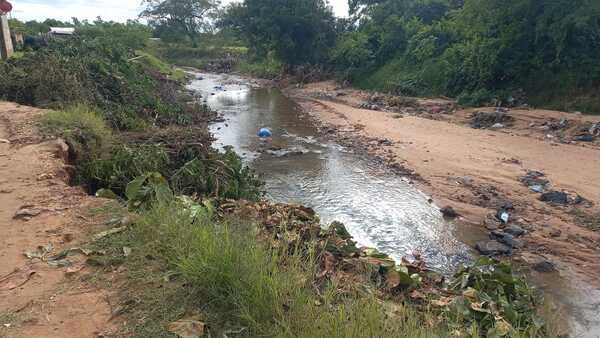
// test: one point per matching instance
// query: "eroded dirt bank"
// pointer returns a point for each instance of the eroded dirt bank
(478, 171)
(40, 215)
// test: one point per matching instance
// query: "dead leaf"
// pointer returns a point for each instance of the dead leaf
(190, 327)
(442, 302)
(108, 232)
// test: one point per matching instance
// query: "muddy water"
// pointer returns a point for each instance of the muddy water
(380, 209)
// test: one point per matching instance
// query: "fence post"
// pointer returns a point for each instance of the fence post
(6, 47)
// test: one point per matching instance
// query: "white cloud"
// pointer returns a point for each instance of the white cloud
(116, 10)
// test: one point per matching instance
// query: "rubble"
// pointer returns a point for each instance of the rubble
(492, 248)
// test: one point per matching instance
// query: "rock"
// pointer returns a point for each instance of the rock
(27, 212)
(490, 248)
(514, 230)
(506, 238)
(449, 212)
(555, 197)
(545, 266)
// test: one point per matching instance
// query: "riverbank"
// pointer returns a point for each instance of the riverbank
(478, 171)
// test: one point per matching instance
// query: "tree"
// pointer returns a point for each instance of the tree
(297, 31)
(190, 17)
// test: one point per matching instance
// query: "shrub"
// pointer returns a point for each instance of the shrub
(82, 128)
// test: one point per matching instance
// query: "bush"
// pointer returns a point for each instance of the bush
(477, 98)
(83, 129)
(96, 68)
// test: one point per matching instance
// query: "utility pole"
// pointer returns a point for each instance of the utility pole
(6, 46)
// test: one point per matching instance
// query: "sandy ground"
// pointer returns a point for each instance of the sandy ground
(477, 170)
(36, 299)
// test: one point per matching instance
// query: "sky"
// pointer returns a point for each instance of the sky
(115, 10)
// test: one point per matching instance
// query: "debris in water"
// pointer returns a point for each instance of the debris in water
(264, 133)
(449, 212)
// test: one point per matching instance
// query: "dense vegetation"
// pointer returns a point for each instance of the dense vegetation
(542, 52)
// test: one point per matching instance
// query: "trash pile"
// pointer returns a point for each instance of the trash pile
(537, 182)
(496, 119)
(567, 131)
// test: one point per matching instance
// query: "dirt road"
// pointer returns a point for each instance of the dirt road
(39, 209)
(477, 170)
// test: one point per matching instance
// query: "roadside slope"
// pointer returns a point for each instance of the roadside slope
(39, 209)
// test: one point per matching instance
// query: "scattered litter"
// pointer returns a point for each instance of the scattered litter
(3, 140)
(585, 138)
(535, 180)
(481, 119)
(555, 197)
(126, 251)
(264, 133)
(497, 126)
(190, 327)
(503, 215)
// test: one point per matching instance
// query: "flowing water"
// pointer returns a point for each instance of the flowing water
(379, 208)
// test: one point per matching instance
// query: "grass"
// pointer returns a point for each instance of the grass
(266, 69)
(185, 264)
(83, 128)
(166, 69)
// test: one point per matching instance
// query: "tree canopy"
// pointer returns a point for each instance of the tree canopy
(180, 17)
(297, 31)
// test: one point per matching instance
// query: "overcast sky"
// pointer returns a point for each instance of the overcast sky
(116, 10)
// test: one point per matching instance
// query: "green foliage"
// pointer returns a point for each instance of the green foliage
(95, 68)
(83, 130)
(268, 68)
(296, 31)
(174, 18)
(469, 47)
(497, 301)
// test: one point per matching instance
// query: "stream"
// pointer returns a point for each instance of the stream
(379, 208)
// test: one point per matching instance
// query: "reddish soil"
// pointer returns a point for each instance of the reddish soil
(477, 170)
(37, 299)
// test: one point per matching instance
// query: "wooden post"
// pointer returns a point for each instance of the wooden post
(6, 47)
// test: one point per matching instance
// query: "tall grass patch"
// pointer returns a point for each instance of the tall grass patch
(241, 283)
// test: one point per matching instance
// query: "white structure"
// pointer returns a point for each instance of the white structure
(61, 31)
